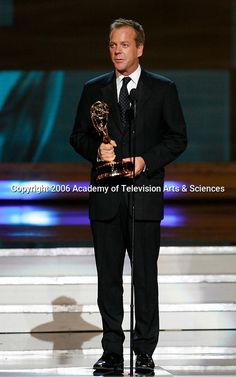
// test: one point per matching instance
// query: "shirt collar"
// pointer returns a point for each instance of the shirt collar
(134, 76)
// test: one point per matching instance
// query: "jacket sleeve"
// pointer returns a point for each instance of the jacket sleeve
(84, 138)
(174, 137)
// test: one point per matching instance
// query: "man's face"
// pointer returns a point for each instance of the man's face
(123, 50)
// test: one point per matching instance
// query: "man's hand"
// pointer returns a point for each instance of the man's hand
(107, 152)
(139, 166)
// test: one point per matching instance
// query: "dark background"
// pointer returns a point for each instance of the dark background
(50, 48)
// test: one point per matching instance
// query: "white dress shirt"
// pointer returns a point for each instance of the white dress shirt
(133, 82)
(131, 85)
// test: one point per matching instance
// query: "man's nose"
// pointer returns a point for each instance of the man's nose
(117, 50)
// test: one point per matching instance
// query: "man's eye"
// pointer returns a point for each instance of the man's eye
(111, 45)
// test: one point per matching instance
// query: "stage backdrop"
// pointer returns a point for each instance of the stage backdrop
(37, 110)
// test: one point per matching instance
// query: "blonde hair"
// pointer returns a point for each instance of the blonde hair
(120, 22)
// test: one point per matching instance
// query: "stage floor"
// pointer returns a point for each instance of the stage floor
(186, 353)
(50, 325)
(65, 224)
(191, 353)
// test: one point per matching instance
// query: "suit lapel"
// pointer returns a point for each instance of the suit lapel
(109, 93)
(144, 92)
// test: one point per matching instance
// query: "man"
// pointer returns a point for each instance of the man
(160, 139)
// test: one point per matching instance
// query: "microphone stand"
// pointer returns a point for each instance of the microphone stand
(132, 197)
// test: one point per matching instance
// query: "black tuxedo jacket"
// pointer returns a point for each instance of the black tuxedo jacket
(160, 139)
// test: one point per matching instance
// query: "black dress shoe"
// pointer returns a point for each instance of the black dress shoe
(110, 362)
(144, 364)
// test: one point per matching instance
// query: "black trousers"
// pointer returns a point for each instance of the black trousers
(111, 240)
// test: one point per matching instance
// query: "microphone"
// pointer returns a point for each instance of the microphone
(133, 95)
(133, 99)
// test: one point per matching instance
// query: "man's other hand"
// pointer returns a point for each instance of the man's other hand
(139, 166)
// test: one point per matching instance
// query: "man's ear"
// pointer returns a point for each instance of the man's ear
(140, 50)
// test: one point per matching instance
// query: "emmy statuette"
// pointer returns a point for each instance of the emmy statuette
(99, 115)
